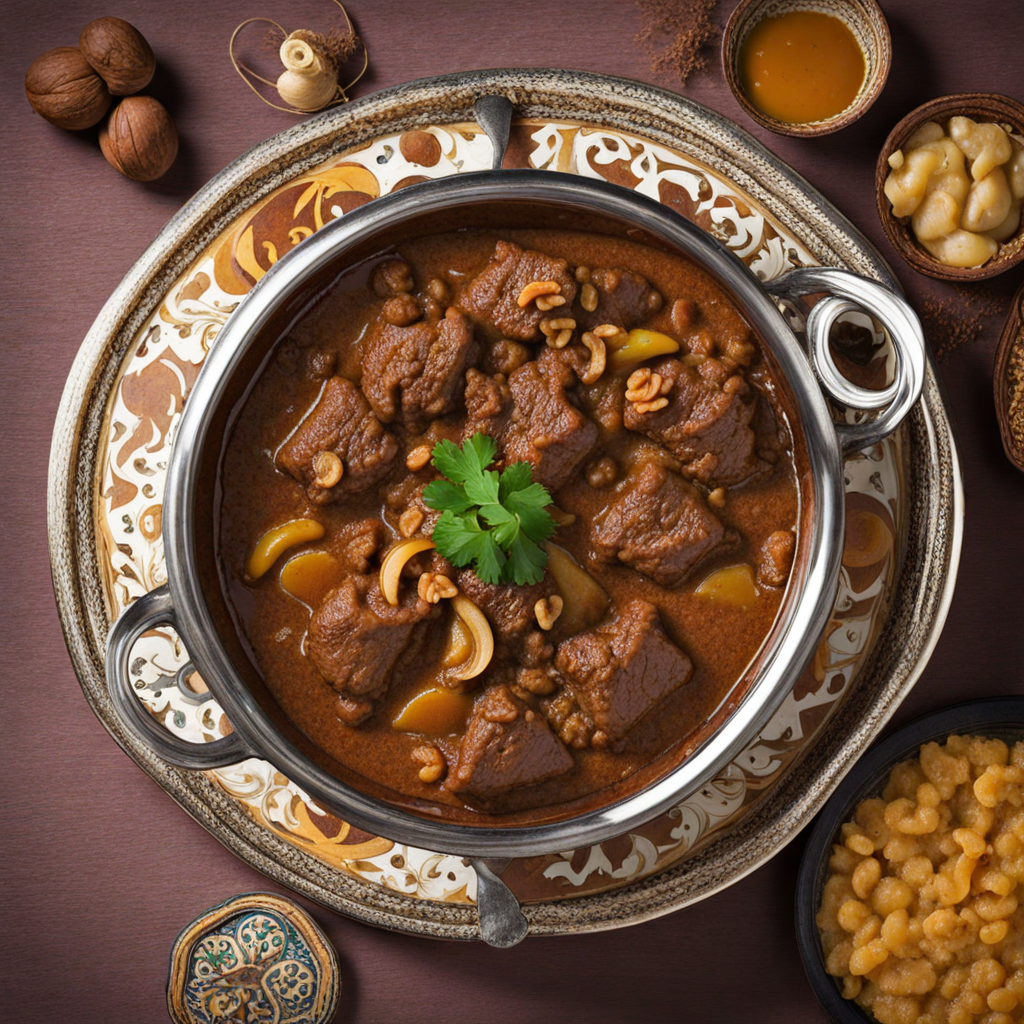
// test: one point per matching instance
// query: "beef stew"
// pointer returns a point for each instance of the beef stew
(637, 394)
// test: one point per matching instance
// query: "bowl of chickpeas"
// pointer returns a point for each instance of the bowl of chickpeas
(910, 898)
(950, 186)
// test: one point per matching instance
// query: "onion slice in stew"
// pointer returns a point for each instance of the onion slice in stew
(394, 562)
(483, 639)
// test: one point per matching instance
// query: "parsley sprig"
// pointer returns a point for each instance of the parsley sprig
(492, 521)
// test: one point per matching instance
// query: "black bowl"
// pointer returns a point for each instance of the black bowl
(1002, 717)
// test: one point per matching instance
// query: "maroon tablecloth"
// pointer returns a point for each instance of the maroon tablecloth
(99, 868)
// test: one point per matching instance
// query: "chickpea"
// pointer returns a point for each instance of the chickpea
(930, 131)
(853, 915)
(925, 927)
(962, 249)
(987, 145)
(988, 202)
(891, 894)
(905, 187)
(938, 215)
(1015, 170)
(866, 876)
(868, 957)
(896, 930)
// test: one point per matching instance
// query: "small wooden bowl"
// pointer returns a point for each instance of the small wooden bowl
(865, 20)
(981, 106)
(1008, 379)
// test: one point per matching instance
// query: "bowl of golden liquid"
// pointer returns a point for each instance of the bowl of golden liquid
(806, 67)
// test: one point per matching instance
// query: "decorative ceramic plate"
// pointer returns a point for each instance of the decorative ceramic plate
(256, 957)
(136, 367)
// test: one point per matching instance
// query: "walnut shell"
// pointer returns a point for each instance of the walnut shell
(62, 87)
(139, 138)
(119, 53)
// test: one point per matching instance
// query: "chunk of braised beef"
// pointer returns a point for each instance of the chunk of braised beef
(776, 558)
(401, 310)
(575, 728)
(545, 428)
(604, 402)
(416, 373)
(356, 638)
(658, 524)
(706, 423)
(504, 356)
(492, 297)
(320, 363)
(358, 542)
(488, 404)
(506, 744)
(508, 607)
(622, 669)
(341, 422)
(392, 277)
(624, 298)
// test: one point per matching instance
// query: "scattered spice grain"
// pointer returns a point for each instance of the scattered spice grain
(1015, 407)
(676, 34)
(956, 317)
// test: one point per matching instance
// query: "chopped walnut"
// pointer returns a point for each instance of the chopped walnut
(434, 587)
(410, 521)
(536, 290)
(432, 761)
(558, 330)
(644, 385)
(547, 610)
(598, 357)
(328, 468)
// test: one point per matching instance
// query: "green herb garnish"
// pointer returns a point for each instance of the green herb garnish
(505, 546)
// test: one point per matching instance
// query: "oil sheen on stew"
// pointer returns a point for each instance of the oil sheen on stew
(673, 476)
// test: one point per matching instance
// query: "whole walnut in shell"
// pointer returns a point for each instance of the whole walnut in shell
(119, 53)
(139, 138)
(62, 87)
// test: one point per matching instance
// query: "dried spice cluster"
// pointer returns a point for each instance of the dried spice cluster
(676, 34)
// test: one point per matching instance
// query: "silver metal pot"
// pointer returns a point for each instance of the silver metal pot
(566, 200)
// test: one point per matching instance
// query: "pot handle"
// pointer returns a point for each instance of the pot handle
(494, 115)
(502, 923)
(850, 292)
(157, 609)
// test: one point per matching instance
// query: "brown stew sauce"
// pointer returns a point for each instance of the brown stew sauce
(719, 638)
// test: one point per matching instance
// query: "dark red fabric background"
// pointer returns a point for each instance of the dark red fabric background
(99, 868)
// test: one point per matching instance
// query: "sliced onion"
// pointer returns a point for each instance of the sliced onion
(394, 562)
(483, 639)
(275, 542)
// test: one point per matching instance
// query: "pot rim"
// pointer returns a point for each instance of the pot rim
(783, 659)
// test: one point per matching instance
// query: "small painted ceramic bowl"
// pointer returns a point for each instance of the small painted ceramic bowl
(1001, 717)
(256, 957)
(865, 20)
(980, 106)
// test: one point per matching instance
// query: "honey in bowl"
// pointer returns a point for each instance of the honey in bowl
(802, 66)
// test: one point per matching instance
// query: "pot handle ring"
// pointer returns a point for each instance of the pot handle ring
(157, 609)
(849, 292)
